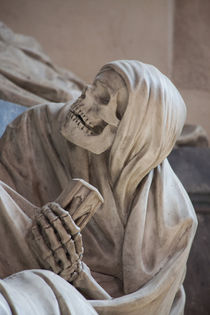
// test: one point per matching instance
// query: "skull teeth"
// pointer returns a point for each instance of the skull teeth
(81, 126)
(85, 119)
(82, 121)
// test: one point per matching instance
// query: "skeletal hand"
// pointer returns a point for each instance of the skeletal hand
(56, 241)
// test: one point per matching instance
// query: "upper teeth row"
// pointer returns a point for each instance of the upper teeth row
(76, 111)
(79, 124)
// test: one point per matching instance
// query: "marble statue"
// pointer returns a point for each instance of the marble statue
(28, 76)
(93, 218)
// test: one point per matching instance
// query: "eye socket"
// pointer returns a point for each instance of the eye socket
(104, 100)
(83, 93)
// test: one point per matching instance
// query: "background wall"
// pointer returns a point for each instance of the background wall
(191, 57)
(82, 35)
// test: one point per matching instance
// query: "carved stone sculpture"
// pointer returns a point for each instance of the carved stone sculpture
(28, 76)
(116, 137)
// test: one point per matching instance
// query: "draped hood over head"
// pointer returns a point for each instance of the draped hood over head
(153, 120)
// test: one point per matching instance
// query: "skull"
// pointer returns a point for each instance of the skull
(93, 119)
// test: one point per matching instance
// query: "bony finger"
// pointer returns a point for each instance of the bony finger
(56, 223)
(70, 273)
(41, 221)
(79, 245)
(71, 251)
(54, 266)
(36, 233)
(61, 258)
(76, 272)
(48, 233)
(44, 254)
(46, 211)
(39, 247)
(66, 219)
(45, 208)
(44, 251)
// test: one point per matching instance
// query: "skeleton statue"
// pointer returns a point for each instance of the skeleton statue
(96, 200)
